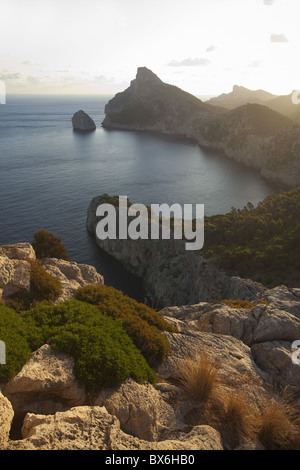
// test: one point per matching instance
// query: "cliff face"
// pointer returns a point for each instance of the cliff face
(252, 134)
(150, 104)
(172, 275)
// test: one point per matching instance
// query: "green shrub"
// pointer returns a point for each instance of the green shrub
(104, 354)
(48, 245)
(142, 323)
(43, 288)
(13, 331)
(43, 285)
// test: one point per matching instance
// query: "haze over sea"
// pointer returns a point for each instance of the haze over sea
(49, 174)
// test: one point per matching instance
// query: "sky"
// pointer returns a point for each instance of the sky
(202, 46)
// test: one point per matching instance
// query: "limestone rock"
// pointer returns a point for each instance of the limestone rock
(141, 411)
(93, 428)
(275, 358)
(278, 320)
(83, 122)
(6, 417)
(71, 275)
(14, 276)
(233, 356)
(45, 383)
(15, 271)
(19, 251)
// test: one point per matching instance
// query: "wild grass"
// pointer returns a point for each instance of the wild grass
(279, 427)
(273, 420)
(199, 376)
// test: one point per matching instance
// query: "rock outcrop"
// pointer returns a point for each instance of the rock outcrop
(15, 271)
(6, 417)
(172, 275)
(46, 384)
(93, 428)
(83, 122)
(252, 134)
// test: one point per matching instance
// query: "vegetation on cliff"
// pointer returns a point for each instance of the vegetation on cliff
(48, 245)
(142, 323)
(259, 242)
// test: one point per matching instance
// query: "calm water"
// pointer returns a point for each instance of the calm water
(49, 174)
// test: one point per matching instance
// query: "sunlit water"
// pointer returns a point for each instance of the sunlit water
(49, 174)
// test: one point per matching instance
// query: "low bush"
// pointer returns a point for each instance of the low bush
(104, 354)
(13, 331)
(142, 323)
(48, 245)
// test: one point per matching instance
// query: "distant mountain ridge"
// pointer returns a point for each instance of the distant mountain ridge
(253, 134)
(240, 95)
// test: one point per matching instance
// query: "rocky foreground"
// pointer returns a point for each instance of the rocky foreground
(44, 407)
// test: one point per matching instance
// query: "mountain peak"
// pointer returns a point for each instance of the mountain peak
(145, 75)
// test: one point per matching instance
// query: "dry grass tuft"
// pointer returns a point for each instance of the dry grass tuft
(198, 376)
(280, 424)
(239, 420)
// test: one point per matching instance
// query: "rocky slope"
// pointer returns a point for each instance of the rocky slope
(253, 350)
(250, 134)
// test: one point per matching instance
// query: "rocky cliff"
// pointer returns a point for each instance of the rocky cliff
(172, 275)
(252, 134)
(150, 104)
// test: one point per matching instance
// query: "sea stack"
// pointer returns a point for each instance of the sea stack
(83, 122)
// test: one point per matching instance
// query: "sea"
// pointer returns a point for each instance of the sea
(49, 174)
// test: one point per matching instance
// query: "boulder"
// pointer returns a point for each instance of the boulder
(93, 428)
(275, 358)
(6, 417)
(71, 275)
(45, 384)
(141, 410)
(83, 122)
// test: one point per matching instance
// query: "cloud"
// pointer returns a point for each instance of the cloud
(189, 62)
(6, 75)
(278, 38)
(211, 48)
(269, 2)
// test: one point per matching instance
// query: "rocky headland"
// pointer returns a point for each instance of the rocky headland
(253, 134)
(171, 274)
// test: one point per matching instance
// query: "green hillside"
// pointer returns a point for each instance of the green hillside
(258, 242)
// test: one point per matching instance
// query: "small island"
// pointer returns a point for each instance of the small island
(83, 122)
